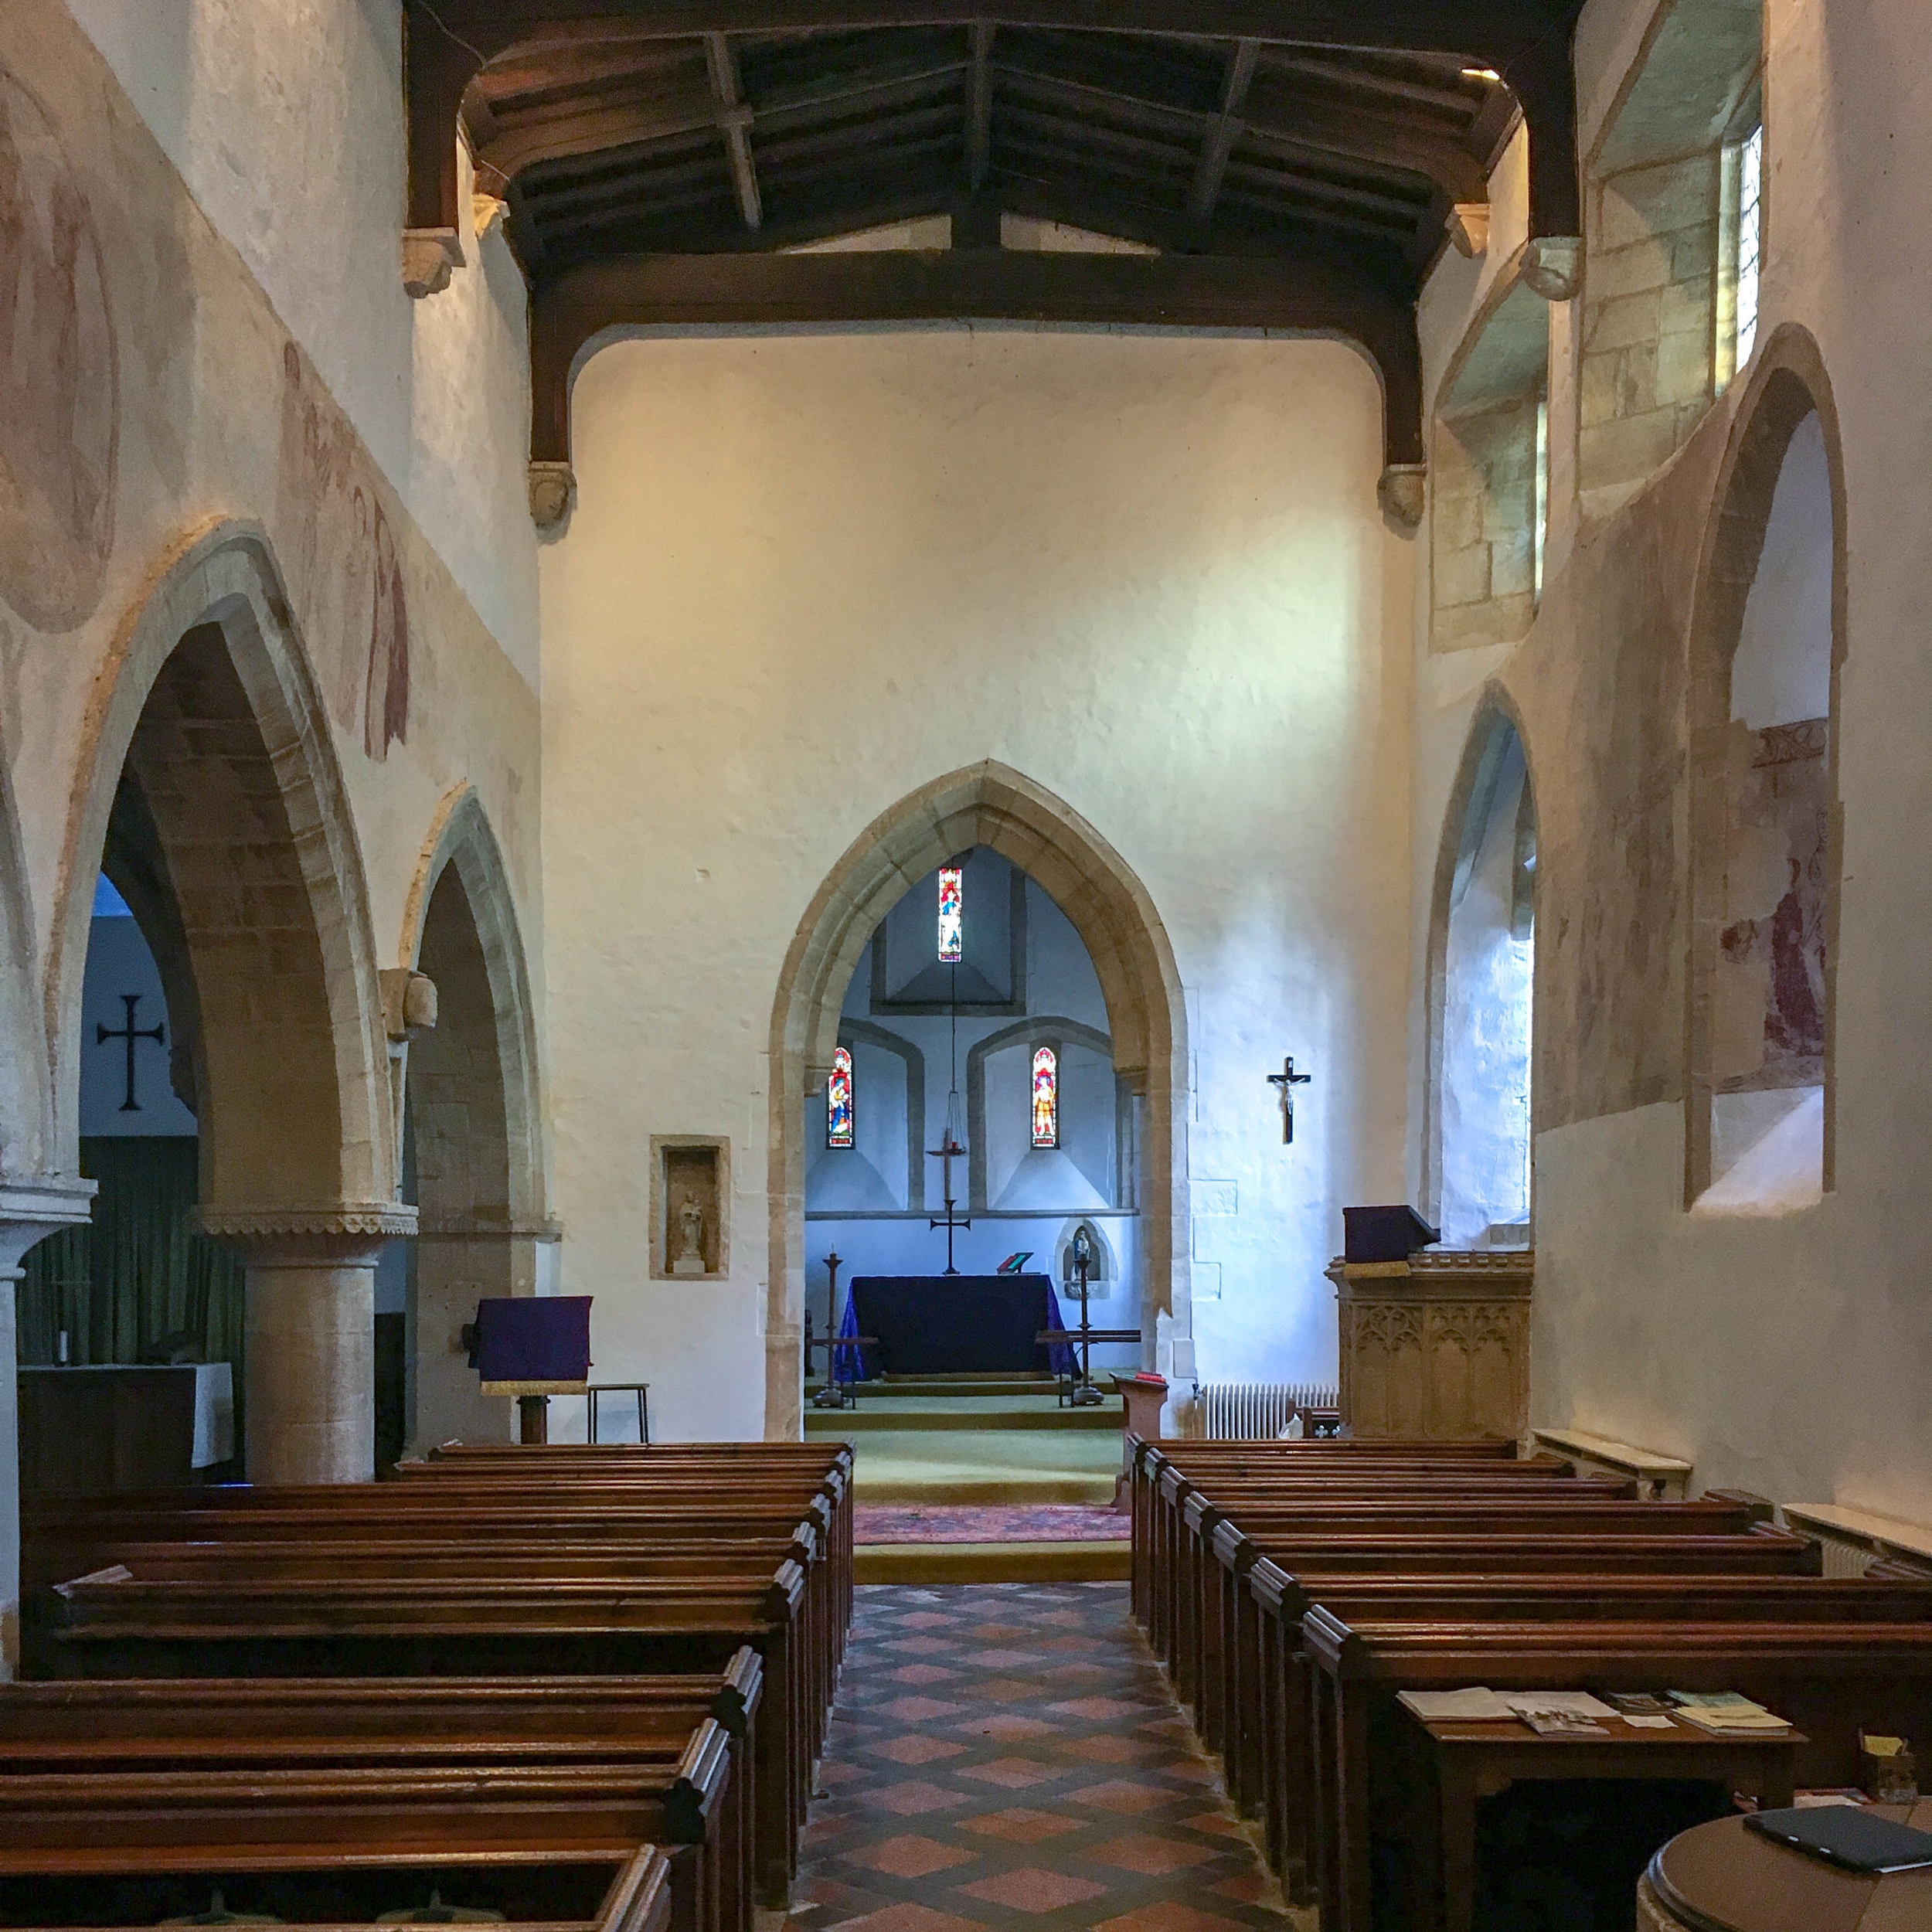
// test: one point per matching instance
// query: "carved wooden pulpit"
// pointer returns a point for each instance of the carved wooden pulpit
(1437, 1345)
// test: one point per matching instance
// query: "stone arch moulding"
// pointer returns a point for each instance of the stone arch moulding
(1495, 721)
(223, 575)
(1787, 383)
(986, 804)
(461, 834)
(26, 1101)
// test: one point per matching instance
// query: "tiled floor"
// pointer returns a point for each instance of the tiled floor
(1007, 1754)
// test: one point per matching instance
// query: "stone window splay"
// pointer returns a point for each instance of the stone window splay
(1662, 219)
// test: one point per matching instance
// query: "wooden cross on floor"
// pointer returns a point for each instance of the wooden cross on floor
(1288, 1081)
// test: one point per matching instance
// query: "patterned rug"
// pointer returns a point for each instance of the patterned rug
(957, 1523)
(1007, 1755)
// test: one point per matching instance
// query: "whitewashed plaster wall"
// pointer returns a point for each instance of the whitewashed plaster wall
(1790, 1353)
(219, 416)
(284, 118)
(808, 573)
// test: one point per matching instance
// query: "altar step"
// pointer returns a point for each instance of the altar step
(985, 1468)
(1016, 1562)
(964, 1413)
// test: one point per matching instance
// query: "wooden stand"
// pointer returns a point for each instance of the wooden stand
(533, 1405)
(1437, 1346)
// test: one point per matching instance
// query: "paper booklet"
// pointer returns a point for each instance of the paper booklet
(1456, 1707)
(1570, 1703)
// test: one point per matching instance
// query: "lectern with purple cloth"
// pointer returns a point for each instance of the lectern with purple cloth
(532, 1347)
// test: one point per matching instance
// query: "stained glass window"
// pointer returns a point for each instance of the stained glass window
(952, 914)
(1046, 1097)
(839, 1100)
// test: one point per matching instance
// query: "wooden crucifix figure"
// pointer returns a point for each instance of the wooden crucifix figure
(1288, 1081)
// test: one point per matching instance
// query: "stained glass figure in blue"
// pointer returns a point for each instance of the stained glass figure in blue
(838, 1099)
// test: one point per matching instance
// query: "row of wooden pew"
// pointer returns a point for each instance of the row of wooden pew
(581, 1687)
(1293, 1591)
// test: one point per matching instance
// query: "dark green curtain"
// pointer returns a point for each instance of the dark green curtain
(138, 1270)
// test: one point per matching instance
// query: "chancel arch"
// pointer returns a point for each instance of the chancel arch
(471, 1114)
(1767, 646)
(211, 714)
(989, 807)
(1479, 1128)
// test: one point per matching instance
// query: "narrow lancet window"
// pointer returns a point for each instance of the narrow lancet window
(838, 1099)
(1750, 238)
(952, 913)
(1046, 1097)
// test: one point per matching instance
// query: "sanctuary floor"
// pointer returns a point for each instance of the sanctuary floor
(1007, 1755)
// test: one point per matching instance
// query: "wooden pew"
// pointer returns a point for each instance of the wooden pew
(573, 1883)
(1829, 1677)
(405, 1725)
(1278, 1737)
(1260, 1619)
(114, 1625)
(1472, 1508)
(86, 1538)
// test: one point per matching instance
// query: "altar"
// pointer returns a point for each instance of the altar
(937, 1325)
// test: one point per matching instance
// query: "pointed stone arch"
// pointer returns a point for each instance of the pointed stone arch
(1788, 384)
(1496, 725)
(471, 1088)
(989, 804)
(209, 699)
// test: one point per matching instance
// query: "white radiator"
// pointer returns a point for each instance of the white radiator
(1253, 1411)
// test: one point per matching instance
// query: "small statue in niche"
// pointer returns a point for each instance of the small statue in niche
(690, 1226)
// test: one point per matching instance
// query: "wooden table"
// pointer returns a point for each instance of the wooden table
(1723, 1878)
(1473, 1761)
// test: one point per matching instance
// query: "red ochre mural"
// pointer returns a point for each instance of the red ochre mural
(59, 402)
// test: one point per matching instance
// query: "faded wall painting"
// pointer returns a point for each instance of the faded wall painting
(1771, 970)
(343, 562)
(58, 400)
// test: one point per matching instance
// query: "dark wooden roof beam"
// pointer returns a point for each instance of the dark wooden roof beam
(875, 143)
(979, 107)
(1281, 113)
(1080, 137)
(1223, 131)
(1452, 103)
(641, 190)
(735, 118)
(1292, 185)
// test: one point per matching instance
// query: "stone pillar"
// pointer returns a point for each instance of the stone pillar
(310, 1335)
(30, 1210)
(1436, 1346)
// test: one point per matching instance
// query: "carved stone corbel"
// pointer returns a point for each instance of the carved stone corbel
(1469, 228)
(429, 257)
(409, 1003)
(1553, 267)
(1403, 493)
(552, 488)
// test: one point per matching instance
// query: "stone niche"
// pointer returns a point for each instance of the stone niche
(1437, 1346)
(690, 1207)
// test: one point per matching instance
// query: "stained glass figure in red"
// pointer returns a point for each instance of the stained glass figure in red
(1046, 1097)
(839, 1099)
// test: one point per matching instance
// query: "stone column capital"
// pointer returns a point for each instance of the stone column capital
(340, 1234)
(33, 1206)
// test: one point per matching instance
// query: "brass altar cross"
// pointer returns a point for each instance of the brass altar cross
(1288, 1081)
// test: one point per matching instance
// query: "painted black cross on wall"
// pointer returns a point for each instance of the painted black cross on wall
(130, 1033)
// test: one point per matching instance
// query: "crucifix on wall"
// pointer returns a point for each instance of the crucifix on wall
(129, 1034)
(1288, 1081)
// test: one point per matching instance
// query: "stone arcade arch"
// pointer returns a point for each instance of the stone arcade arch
(984, 804)
(1473, 1119)
(1789, 386)
(472, 1089)
(209, 701)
